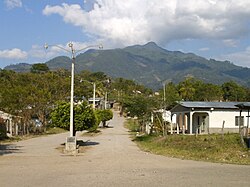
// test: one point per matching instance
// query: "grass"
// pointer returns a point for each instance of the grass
(211, 148)
(132, 125)
(92, 133)
(49, 131)
(55, 130)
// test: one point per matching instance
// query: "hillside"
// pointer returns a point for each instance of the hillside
(151, 65)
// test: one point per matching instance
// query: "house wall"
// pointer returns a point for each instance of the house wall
(216, 119)
(213, 120)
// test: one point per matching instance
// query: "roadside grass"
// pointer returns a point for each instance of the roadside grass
(55, 130)
(132, 126)
(211, 148)
(92, 133)
(49, 131)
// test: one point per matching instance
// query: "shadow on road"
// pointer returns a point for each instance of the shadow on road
(106, 127)
(9, 149)
(86, 143)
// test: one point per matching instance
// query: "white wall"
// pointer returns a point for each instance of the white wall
(216, 119)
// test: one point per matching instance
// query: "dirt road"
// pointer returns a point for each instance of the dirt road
(111, 160)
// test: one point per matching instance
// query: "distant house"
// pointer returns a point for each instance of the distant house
(99, 102)
(209, 117)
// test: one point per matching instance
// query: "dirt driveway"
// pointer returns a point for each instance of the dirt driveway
(111, 160)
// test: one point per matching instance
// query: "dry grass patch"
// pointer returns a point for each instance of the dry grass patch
(211, 148)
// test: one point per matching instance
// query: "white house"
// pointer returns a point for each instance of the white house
(209, 117)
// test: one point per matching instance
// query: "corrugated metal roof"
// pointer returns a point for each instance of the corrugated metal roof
(245, 105)
(228, 105)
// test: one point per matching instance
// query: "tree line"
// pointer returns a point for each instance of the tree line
(43, 94)
(40, 92)
(192, 89)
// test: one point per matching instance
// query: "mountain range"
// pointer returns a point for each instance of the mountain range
(150, 65)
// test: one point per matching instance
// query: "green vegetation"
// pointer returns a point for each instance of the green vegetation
(104, 116)
(211, 148)
(84, 117)
(43, 95)
(192, 89)
(55, 130)
(132, 125)
(2, 134)
(36, 95)
(39, 68)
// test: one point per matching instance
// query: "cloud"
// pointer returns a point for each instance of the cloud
(230, 43)
(139, 21)
(10, 4)
(13, 54)
(241, 58)
(204, 49)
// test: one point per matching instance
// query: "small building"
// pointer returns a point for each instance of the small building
(99, 102)
(209, 117)
(10, 122)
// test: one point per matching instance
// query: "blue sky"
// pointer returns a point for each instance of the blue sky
(218, 29)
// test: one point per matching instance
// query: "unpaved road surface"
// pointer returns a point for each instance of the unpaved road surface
(111, 159)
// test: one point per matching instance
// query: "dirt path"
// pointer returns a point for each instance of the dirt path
(111, 160)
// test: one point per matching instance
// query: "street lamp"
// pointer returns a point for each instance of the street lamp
(94, 91)
(73, 53)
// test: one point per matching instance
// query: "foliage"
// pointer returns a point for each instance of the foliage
(104, 115)
(39, 68)
(30, 95)
(139, 106)
(187, 89)
(172, 95)
(84, 117)
(55, 130)
(192, 89)
(234, 92)
(212, 148)
(132, 125)
(3, 134)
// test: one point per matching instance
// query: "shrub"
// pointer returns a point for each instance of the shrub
(104, 115)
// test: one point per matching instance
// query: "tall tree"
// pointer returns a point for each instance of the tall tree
(234, 92)
(186, 89)
(39, 68)
(172, 95)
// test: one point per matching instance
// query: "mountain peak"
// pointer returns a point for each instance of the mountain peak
(151, 45)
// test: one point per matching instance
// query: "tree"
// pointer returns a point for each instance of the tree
(39, 68)
(104, 116)
(234, 92)
(172, 95)
(207, 91)
(141, 107)
(84, 117)
(186, 89)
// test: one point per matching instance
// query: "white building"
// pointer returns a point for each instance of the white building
(209, 117)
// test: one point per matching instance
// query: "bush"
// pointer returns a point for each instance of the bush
(3, 134)
(84, 117)
(104, 115)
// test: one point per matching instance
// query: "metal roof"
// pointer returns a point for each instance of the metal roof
(228, 105)
(245, 105)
